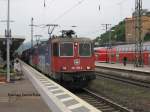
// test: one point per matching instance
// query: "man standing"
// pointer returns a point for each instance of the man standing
(17, 69)
(124, 61)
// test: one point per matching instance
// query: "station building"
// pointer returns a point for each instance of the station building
(130, 28)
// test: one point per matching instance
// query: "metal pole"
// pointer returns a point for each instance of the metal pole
(110, 46)
(8, 42)
(32, 32)
(106, 28)
(138, 34)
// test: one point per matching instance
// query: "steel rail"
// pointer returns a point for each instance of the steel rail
(105, 105)
(125, 80)
(135, 70)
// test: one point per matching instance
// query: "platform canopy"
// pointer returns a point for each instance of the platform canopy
(14, 45)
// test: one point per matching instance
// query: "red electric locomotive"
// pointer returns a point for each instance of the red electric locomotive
(66, 59)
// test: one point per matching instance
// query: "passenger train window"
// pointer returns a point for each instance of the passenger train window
(144, 48)
(127, 49)
(148, 48)
(119, 49)
(85, 49)
(66, 49)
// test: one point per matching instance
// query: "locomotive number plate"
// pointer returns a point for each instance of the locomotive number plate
(77, 62)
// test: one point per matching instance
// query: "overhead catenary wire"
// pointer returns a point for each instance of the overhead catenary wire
(45, 3)
(64, 13)
(120, 4)
(99, 6)
(68, 10)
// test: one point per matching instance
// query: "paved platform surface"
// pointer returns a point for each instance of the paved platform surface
(131, 67)
(21, 96)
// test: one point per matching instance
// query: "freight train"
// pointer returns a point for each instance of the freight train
(66, 59)
(117, 53)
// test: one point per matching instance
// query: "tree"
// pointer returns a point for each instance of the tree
(147, 37)
(118, 34)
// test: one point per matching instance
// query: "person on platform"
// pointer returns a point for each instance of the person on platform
(125, 61)
(17, 69)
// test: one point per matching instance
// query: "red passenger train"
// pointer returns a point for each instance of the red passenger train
(66, 59)
(119, 52)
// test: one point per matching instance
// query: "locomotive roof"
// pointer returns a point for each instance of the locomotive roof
(58, 39)
(71, 39)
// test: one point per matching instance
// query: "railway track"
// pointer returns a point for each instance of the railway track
(124, 80)
(100, 102)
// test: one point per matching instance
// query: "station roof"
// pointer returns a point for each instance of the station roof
(14, 44)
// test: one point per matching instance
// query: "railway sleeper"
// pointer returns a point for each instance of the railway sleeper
(108, 110)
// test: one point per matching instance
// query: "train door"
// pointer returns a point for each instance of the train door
(54, 55)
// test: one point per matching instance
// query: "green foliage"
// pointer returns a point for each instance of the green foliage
(120, 31)
(117, 34)
(147, 37)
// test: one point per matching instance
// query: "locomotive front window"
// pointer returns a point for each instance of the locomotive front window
(85, 49)
(66, 49)
(55, 49)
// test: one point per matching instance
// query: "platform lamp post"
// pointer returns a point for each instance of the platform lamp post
(8, 36)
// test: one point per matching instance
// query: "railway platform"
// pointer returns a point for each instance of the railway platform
(128, 67)
(21, 96)
(37, 93)
(57, 98)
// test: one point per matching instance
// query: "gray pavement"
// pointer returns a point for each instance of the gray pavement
(146, 68)
(21, 96)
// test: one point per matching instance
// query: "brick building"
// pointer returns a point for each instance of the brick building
(130, 28)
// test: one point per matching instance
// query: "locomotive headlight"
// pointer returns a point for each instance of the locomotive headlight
(76, 61)
(64, 68)
(75, 43)
(88, 68)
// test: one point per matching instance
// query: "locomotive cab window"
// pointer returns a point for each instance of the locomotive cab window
(66, 49)
(85, 49)
(55, 49)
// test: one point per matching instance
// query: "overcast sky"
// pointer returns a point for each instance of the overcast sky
(84, 14)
